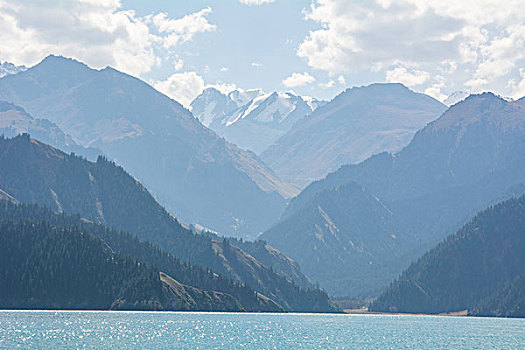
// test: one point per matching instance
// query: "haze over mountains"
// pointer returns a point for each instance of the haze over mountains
(251, 119)
(356, 124)
(402, 173)
(14, 120)
(470, 157)
(196, 174)
(100, 191)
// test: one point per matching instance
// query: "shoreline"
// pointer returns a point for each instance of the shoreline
(364, 311)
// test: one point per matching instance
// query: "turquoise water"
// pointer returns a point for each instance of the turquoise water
(179, 330)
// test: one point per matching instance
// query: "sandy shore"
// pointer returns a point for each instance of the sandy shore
(365, 311)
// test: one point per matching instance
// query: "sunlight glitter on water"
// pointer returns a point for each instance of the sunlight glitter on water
(190, 330)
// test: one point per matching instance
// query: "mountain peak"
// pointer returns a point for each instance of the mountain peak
(478, 108)
(60, 60)
(8, 68)
(455, 97)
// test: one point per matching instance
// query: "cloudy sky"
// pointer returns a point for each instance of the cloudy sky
(314, 48)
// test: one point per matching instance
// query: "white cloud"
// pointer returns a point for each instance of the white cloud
(298, 79)
(178, 64)
(182, 29)
(408, 78)
(255, 2)
(182, 87)
(225, 88)
(341, 80)
(256, 65)
(98, 32)
(327, 85)
(474, 43)
(224, 69)
(518, 88)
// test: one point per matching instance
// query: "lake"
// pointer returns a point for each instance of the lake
(190, 330)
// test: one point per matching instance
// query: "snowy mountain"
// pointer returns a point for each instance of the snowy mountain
(356, 124)
(7, 68)
(455, 97)
(251, 119)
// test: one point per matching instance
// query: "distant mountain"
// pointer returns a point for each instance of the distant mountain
(14, 120)
(196, 174)
(33, 172)
(469, 158)
(481, 268)
(7, 68)
(253, 124)
(353, 126)
(345, 238)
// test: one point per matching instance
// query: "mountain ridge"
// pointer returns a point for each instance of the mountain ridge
(456, 166)
(356, 124)
(128, 121)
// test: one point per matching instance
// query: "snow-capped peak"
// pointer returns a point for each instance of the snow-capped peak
(455, 97)
(7, 68)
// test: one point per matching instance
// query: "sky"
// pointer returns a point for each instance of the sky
(311, 47)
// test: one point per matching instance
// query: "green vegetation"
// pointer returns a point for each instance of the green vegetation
(103, 192)
(49, 267)
(481, 268)
(130, 247)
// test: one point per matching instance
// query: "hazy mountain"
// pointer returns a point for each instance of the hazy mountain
(255, 124)
(484, 260)
(196, 174)
(455, 97)
(100, 191)
(346, 238)
(356, 124)
(14, 120)
(7, 68)
(470, 157)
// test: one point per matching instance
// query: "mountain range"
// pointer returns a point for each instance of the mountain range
(14, 120)
(101, 192)
(197, 175)
(254, 124)
(405, 203)
(355, 125)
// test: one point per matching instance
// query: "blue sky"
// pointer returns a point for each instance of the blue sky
(313, 47)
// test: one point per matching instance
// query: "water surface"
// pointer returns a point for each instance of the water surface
(186, 330)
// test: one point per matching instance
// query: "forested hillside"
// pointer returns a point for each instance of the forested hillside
(128, 246)
(100, 191)
(49, 267)
(480, 269)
